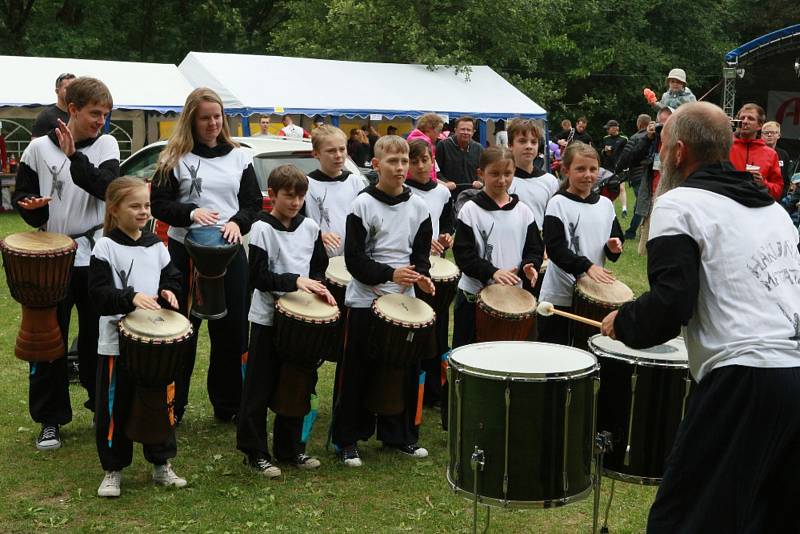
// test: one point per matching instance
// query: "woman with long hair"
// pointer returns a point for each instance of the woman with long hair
(204, 179)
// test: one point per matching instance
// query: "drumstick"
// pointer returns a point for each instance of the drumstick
(547, 309)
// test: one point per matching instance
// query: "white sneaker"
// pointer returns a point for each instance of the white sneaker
(109, 487)
(413, 450)
(163, 475)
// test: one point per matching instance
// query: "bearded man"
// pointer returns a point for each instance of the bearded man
(723, 266)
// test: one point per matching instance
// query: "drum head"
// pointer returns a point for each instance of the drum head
(510, 300)
(522, 359)
(404, 309)
(38, 242)
(156, 324)
(208, 236)
(337, 271)
(308, 306)
(443, 269)
(614, 293)
(671, 353)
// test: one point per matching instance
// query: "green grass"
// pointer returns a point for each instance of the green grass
(48, 492)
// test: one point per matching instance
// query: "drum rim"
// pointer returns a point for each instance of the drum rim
(445, 279)
(523, 377)
(50, 253)
(484, 306)
(604, 303)
(303, 319)
(333, 277)
(223, 247)
(412, 326)
(643, 361)
(183, 335)
(503, 503)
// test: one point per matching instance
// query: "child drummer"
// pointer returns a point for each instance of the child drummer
(497, 241)
(121, 279)
(387, 250)
(286, 254)
(580, 230)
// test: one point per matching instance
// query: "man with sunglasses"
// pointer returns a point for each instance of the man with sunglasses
(47, 120)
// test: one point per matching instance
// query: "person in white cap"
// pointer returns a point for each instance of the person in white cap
(677, 93)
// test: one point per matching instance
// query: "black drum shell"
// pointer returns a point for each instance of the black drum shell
(305, 344)
(443, 297)
(399, 345)
(591, 309)
(152, 365)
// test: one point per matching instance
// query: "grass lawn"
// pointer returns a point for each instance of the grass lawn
(55, 491)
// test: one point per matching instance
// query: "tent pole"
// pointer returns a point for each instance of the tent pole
(482, 131)
(245, 125)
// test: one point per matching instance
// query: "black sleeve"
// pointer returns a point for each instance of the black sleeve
(170, 279)
(362, 267)
(533, 250)
(27, 185)
(263, 279)
(250, 200)
(673, 267)
(447, 218)
(555, 240)
(93, 180)
(319, 260)
(634, 151)
(163, 203)
(106, 298)
(616, 231)
(421, 248)
(465, 252)
(440, 160)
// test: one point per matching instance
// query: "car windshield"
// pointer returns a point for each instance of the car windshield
(264, 163)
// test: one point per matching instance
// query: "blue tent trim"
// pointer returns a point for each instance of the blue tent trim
(736, 54)
(388, 114)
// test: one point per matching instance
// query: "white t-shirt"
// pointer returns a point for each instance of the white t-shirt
(328, 202)
(535, 192)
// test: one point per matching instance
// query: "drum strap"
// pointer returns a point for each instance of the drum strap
(112, 386)
(88, 234)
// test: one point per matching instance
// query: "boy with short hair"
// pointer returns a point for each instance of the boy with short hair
(60, 187)
(286, 254)
(387, 248)
(533, 186)
(331, 190)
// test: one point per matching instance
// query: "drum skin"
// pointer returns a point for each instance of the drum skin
(504, 313)
(444, 275)
(595, 300)
(211, 255)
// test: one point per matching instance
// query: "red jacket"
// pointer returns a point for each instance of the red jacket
(755, 152)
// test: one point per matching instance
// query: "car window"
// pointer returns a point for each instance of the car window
(142, 164)
(264, 163)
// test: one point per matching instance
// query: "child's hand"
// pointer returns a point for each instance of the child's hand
(405, 276)
(477, 184)
(531, 272)
(649, 95)
(65, 140)
(205, 217)
(449, 185)
(231, 232)
(506, 277)
(309, 285)
(145, 302)
(600, 274)
(615, 245)
(436, 248)
(446, 240)
(169, 296)
(426, 284)
(34, 203)
(331, 240)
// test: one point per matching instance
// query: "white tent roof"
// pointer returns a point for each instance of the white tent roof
(274, 84)
(30, 81)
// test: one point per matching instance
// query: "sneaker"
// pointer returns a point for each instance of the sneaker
(411, 450)
(304, 461)
(109, 487)
(163, 475)
(263, 467)
(350, 456)
(49, 438)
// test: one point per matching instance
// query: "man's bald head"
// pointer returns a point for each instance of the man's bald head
(703, 129)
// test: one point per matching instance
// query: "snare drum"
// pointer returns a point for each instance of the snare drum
(595, 300)
(306, 332)
(526, 411)
(401, 334)
(153, 345)
(336, 279)
(642, 402)
(444, 275)
(38, 267)
(211, 254)
(504, 313)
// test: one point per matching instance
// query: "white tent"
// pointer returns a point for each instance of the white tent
(30, 81)
(273, 84)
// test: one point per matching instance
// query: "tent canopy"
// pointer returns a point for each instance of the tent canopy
(773, 42)
(272, 84)
(30, 81)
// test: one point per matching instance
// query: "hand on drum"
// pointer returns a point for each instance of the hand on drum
(34, 203)
(231, 232)
(405, 276)
(615, 244)
(506, 277)
(426, 285)
(599, 274)
(170, 297)
(309, 285)
(531, 272)
(205, 217)
(331, 240)
(145, 302)
(608, 325)
(65, 140)
(446, 240)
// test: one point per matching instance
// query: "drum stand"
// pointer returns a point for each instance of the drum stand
(477, 461)
(602, 444)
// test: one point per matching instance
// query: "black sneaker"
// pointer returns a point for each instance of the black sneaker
(411, 450)
(263, 467)
(304, 461)
(49, 438)
(350, 456)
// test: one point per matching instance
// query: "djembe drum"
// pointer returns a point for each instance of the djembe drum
(401, 334)
(595, 300)
(38, 267)
(306, 331)
(211, 255)
(504, 313)
(336, 279)
(153, 345)
(445, 275)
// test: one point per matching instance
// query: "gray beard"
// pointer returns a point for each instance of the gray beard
(670, 179)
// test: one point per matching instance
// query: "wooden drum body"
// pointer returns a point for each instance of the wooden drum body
(38, 268)
(504, 313)
(526, 411)
(211, 255)
(444, 275)
(337, 277)
(595, 300)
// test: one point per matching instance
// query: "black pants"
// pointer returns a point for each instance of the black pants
(433, 366)
(736, 457)
(228, 337)
(114, 448)
(556, 329)
(48, 397)
(352, 422)
(261, 379)
(463, 334)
